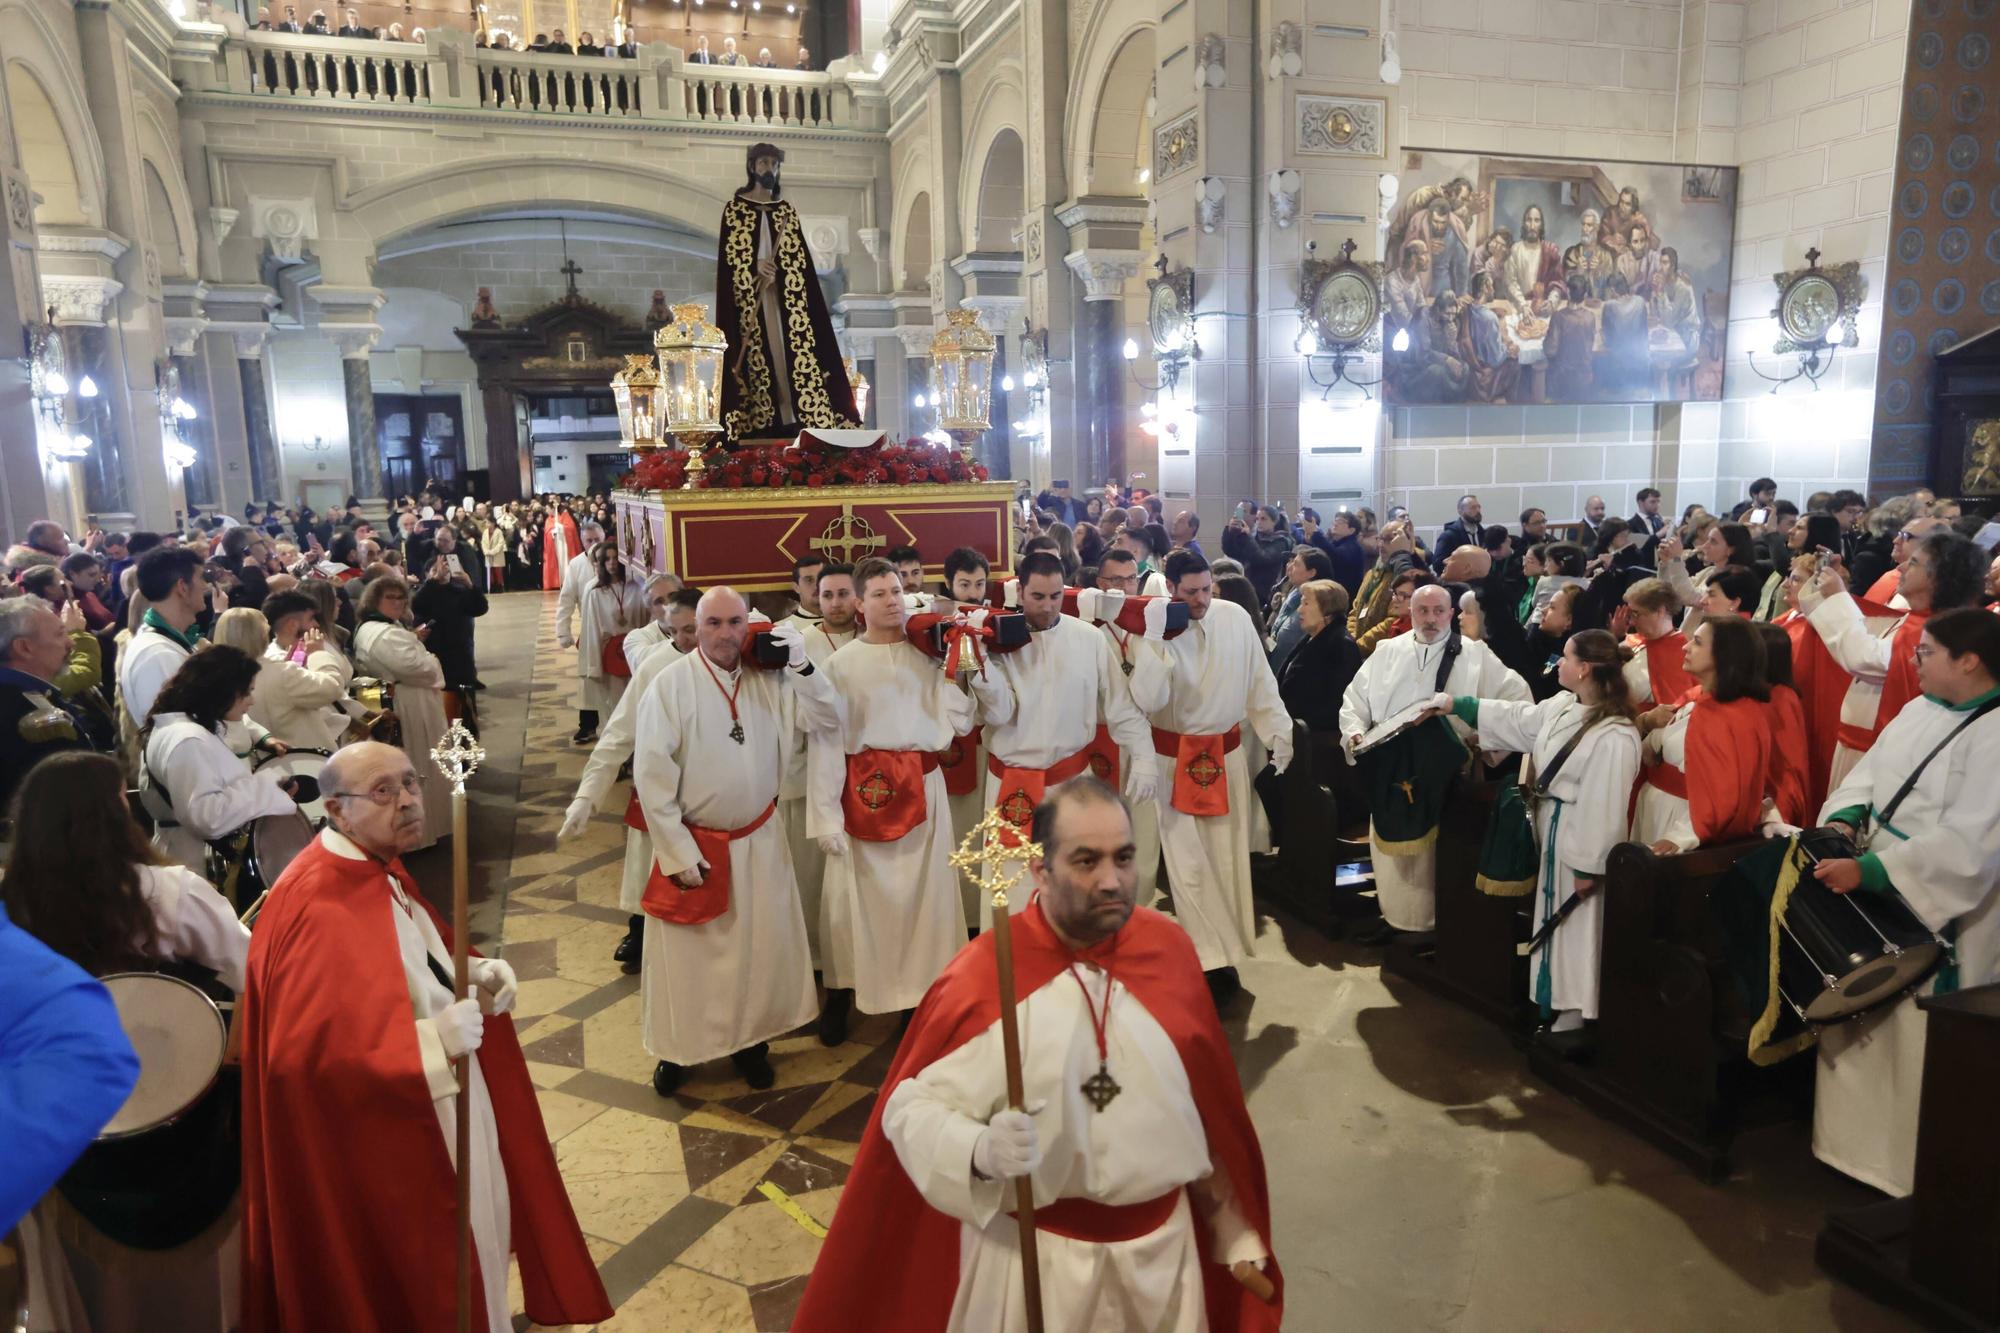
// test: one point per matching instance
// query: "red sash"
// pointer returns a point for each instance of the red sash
(612, 658)
(668, 901)
(883, 797)
(1021, 789)
(1105, 1223)
(635, 814)
(1201, 779)
(1666, 673)
(960, 762)
(1669, 779)
(1104, 756)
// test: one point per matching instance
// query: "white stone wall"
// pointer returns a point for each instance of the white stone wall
(525, 275)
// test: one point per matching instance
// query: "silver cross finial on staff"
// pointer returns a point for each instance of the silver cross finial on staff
(457, 755)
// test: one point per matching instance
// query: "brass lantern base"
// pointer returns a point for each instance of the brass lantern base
(967, 440)
(695, 442)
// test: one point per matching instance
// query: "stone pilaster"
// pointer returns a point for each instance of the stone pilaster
(24, 480)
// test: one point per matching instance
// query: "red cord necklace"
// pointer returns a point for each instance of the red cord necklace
(1100, 1087)
(728, 697)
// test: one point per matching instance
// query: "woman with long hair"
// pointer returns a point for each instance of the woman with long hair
(1785, 717)
(1396, 617)
(81, 877)
(1065, 539)
(246, 630)
(1581, 815)
(1708, 761)
(385, 648)
(197, 788)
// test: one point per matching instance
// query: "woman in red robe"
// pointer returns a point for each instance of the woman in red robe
(559, 542)
(1708, 765)
(1656, 673)
(1785, 716)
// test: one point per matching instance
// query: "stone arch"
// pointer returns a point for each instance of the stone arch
(1118, 40)
(995, 159)
(58, 146)
(169, 213)
(915, 253)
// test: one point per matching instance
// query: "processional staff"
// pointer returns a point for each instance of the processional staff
(458, 756)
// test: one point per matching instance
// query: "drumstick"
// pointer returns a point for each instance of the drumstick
(1549, 926)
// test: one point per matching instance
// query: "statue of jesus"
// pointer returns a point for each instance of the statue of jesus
(784, 368)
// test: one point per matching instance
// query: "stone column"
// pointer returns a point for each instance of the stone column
(364, 451)
(24, 489)
(507, 478)
(1000, 315)
(246, 443)
(1101, 374)
(267, 471)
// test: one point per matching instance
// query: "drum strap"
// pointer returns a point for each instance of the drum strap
(1888, 812)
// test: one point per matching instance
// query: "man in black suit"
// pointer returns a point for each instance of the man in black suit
(1465, 530)
(559, 45)
(1593, 514)
(1648, 522)
(700, 55)
(291, 23)
(350, 26)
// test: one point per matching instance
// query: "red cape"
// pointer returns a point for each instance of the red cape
(349, 1200)
(1791, 757)
(1728, 768)
(1666, 669)
(554, 561)
(1882, 589)
(1822, 685)
(890, 1262)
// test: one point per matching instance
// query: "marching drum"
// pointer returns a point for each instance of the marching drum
(1840, 954)
(167, 1164)
(301, 766)
(245, 865)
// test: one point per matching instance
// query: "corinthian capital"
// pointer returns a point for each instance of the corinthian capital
(1104, 272)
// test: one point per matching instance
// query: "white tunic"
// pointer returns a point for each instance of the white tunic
(1400, 672)
(1576, 826)
(1147, 1140)
(1148, 682)
(606, 611)
(1657, 815)
(724, 986)
(417, 938)
(299, 702)
(808, 861)
(1219, 677)
(1863, 645)
(146, 663)
(640, 642)
(1944, 864)
(1042, 702)
(393, 654)
(613, 748)
(211, 791)
(196, 923)
(577, 575)
(891, 914)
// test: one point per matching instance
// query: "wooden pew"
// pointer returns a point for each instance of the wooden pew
(1662, 1067)
(1471, 958)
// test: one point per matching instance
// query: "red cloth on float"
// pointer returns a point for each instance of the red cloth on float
(349, 1197)
(672, 902)
(1791, 756)
(890, 1261)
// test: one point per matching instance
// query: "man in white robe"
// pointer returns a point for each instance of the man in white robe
(1041, 705)
(1220, 682)
(966, 575)
(710, 746)
(1118, 1179)
(1403, 672)
(170, 579)
(613, 752)
(1940, 851)
(891, 916)
(1148, 680)
(836, 624)
(805, 586)
(579, 572)
(657, 593)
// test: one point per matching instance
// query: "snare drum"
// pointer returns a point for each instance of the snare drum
(302, 766)
(245, 865)
(1841, 954)
(167, 1164)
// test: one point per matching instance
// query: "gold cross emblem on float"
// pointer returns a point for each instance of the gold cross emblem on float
(846, 535)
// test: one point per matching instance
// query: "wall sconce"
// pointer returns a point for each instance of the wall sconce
(1811, 301)
(1208, 202)
(1285, 186)
(1287, 44)
(1170, 324)
(1340, 308)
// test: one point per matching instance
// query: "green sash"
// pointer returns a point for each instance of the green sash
(1407, 780)
(1507, 857)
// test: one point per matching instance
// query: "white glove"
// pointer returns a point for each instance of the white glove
(496, 978)
(574, 820)
(1778, 828)
(1347, 744)
(1281, 759)
(1008, 1147)
(1442, 701)
(1156, 618)
(832, 844)
(1142, 784)
(459, 1028)
(795, 644)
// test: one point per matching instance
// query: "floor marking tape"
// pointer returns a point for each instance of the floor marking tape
(791, 1209)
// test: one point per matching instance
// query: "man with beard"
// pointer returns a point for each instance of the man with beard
(1444, 237)
(1639, 264)
(1407, 774)
(1614, 232)
(784, 368)
(1532, 264)
(1672, 302)
(1432, 371)
(1588, 259)
(835, 627)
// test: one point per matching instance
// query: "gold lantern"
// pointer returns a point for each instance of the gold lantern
(962, 353)
(691, 351)
(858, 382)
(636, 390)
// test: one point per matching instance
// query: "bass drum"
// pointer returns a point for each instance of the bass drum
(301, 766)
(1842, 954)
(168, 1163)
(244, 866)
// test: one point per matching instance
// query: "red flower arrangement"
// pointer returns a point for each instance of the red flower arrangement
(913, 462)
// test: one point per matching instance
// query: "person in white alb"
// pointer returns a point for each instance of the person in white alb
(805, 586)
(607, 606)
(836, 624)
(579, 571)
(1400, 673)
(657, 601)
(1938, 848)
(608, 758)
(1220, 681)
(1041, 705)
(195, 786)
(966, 574)
(1147, 677)
(303, 683)
(1151, 1207)
(726, 964)
(891, 913)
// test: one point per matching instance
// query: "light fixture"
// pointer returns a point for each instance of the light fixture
(1006, 384)
(179, 454)
(919, 401)
(183, 409)
(791, 9)
(635, 391)
(691, 351)
(56, 383)
(1401, 342)
(1131, 350)
(1145, 174)
(86, 387)
(756, 6)
(881, 57)
(1392, 68)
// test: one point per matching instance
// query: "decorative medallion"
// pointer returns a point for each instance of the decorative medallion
(1176, 146)
(1170, 312)
(1203, 770)
(1339, 126)
(1341, 301)
(1100, 766)
(876, 791)
(1812, 300)
(850, 536)
(1017, 809)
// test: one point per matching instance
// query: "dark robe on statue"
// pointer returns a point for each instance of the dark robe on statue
(784, 368)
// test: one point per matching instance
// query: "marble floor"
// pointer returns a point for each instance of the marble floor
(1421, 1179)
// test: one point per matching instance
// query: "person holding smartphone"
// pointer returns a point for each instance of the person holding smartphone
(449, 601)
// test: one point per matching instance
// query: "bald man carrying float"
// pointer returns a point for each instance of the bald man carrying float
(726, 966)
(349, 1032)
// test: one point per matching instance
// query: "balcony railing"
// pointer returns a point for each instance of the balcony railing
(447, 71)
